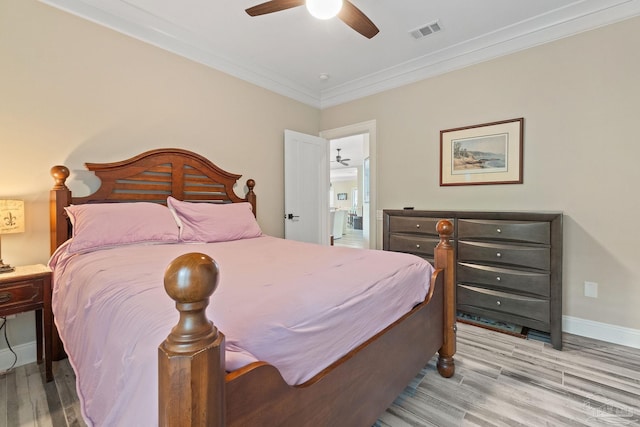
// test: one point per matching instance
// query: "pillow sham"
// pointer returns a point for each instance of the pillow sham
(209, 222)
(106, 225)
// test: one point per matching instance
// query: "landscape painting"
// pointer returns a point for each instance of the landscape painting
(489, 153)
(485, 154)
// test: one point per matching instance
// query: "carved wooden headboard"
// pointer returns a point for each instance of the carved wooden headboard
(150, 177)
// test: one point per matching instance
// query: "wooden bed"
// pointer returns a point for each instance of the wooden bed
(194, 387)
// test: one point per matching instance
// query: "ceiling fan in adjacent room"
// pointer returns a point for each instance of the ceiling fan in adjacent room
(340, 160)
(344, 10)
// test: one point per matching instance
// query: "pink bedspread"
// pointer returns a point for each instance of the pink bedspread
(295, 305)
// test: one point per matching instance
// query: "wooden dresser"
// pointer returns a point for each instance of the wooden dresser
(508, 264)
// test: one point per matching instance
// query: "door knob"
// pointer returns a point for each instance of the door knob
(291, 216)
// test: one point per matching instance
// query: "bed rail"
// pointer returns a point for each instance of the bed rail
(191, 360)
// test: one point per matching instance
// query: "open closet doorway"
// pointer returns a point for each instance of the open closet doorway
(352, 185)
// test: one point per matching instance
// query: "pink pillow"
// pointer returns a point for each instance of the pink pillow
(209, 222)
(106, 225)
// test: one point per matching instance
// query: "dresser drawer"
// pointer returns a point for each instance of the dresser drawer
(21, 296)
(408, 224)
(517, 231)
(522, 281)
(413, 244)
(501, 302)
(537, 257)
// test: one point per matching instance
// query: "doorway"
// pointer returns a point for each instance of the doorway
(352, 184)
(346, 181)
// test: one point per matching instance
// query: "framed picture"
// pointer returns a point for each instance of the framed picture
(342, 196)
(489, 153)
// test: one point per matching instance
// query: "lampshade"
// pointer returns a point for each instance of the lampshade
(11, 221)
(324, 9)
(11, 216)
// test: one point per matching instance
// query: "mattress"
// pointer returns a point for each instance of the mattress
(297, 306)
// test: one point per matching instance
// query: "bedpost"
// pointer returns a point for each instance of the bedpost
(59, 198)
(444, 259)
(251, 196)
(191, 372)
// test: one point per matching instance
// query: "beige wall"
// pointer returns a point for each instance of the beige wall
(579, 97)
(72, 91)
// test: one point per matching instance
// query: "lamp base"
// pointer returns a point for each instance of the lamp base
(5, 268)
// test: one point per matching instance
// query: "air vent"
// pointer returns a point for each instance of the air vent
(426, 30)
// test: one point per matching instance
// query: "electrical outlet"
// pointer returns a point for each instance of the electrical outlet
(591, 289)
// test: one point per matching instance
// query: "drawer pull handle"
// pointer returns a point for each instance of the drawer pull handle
(499, 231)
(417, 246)
(498, 278)
(498, 302)
(417, 225)
(5, 297)
(498, 254)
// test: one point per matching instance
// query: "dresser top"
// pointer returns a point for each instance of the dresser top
(464, 214)
(465, 211)
(25, 271)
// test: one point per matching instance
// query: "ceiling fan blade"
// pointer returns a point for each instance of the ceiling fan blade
(273, 6)
(343, 163)
(353, 17)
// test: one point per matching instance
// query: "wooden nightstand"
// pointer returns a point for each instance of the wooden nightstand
(25, 289)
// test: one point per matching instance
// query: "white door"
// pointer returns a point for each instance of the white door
(306, 188)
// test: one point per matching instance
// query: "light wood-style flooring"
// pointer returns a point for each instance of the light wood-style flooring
(500, 380)
(351, 238)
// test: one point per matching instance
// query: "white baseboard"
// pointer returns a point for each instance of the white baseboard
(601, 331)
(26, 354)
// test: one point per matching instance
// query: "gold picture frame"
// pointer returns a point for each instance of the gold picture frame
(489, 153)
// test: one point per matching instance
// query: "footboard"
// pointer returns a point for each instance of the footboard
(194, 388)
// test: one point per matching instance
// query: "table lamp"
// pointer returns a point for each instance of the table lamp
(11, 221)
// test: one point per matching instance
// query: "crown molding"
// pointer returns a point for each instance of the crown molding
(575, 18)
(165, 35)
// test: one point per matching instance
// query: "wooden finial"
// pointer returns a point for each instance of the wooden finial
(251, 196)
(191, 361)
(60, 228)
(60, 175)
(190, 280)
(445, 230)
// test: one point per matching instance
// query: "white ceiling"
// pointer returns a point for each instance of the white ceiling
(351, 147)
(287, 51)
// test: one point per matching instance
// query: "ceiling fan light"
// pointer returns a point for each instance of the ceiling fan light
(324, 9)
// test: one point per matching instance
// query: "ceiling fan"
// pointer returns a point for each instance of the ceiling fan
(340, 160)
(349, 14)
